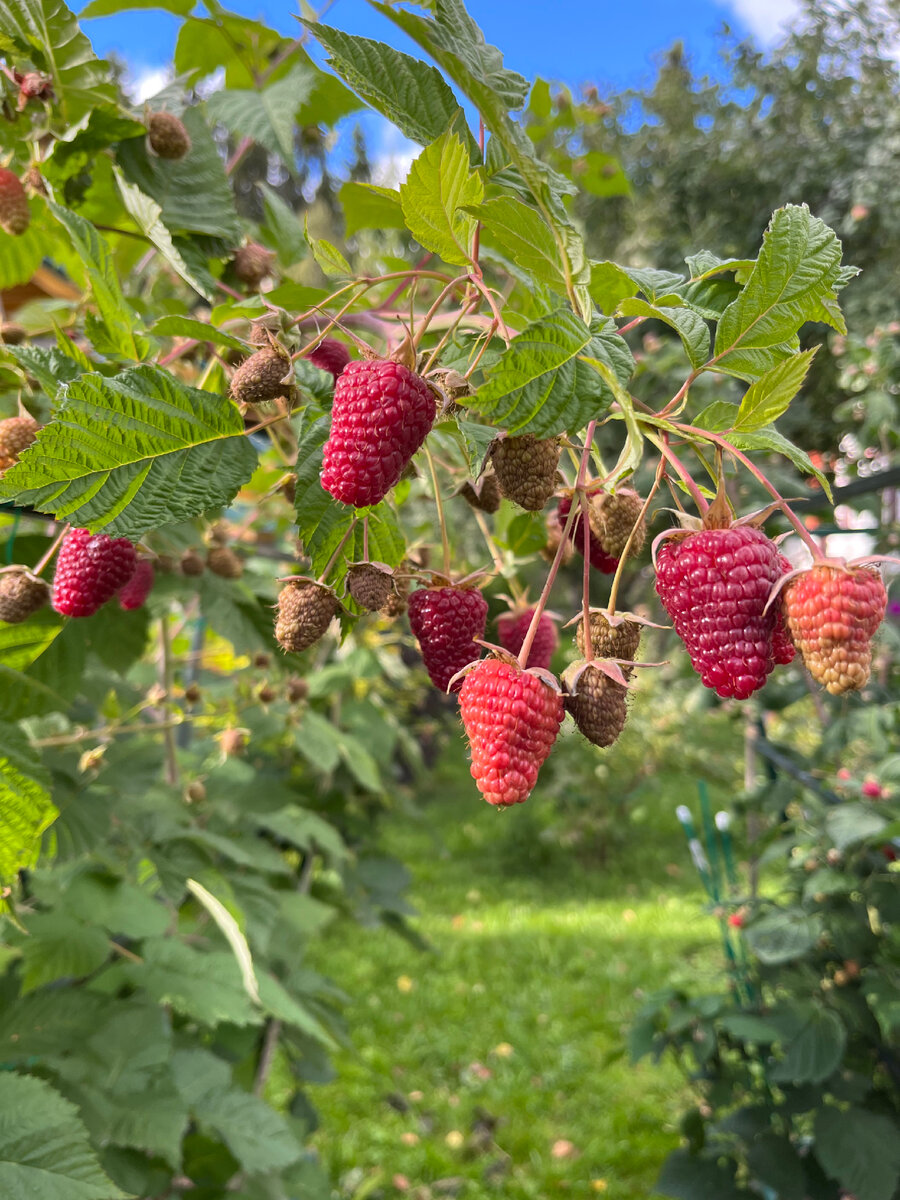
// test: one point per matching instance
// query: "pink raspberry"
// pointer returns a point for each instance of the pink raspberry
(512, 628)
(138, 587)
(330, 355)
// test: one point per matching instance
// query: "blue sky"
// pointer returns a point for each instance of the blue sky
(609, 42)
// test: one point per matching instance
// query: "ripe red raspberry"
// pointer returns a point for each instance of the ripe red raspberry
(715, 585)
(832, 614)
(526, 469)
(512, 628)
(381, 415)
(600, 560)
(16, 435)
(783, 650)
(511, 719)
(90, 569)
(139, 586)
(14, 211)
(871, 788)
(445, 622)
(330, 355)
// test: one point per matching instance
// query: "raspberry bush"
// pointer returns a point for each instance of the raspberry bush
(268, 444)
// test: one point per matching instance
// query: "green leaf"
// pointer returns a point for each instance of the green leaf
(610, 284)
(176, 185)
(883, 998)
(783, 936)
(49, 366)
(774, 1161)
(205, 987)
(285, 230)
(717, 416)
(267, 115)
(860, 1149)
(132, 453)
(410, 93)
(21, 644)
(119, 320)
(147, 215)
(747, 1027)
(330, 260)
(205, 44)
(367, 206)
(776, 443)
(541, 385)
(25, 806)
(519, 231)
(322, 521)
(306, 830)
(705, 265)
(279, 1003)
(848, 824)
(47, 32)
(439, 186)
(258, 1137)
(795, 280)
(689, 325)
(108, 8)
(815, 1052)
(765, 401)
(60, 947)
(45, 1153)
(686, 1176)
(21, 256)
(189, 327)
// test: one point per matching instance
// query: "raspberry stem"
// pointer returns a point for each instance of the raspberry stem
(757, 474)
(681, 470)
(39, 567)
(560, 550)
(432, 312)
(586, 577)
(439, 504)
(337, 550)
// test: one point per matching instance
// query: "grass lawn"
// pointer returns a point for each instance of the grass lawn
(492, 1065)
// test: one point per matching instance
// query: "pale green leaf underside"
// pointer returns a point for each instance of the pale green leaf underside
(133, 453)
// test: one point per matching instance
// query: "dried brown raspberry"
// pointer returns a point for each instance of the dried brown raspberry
(370, 584)
(167, 136)
(483, 495)
(260, 377)
(191, 563)
(596, 702)
(297, 689)
(12, 334)
(612, 518)
(397, 602)
(192, 694)
(554, 537)
(16, 435)
(526, 469)
(305, 610)
(265, 693)
(252, 263)
(223, 561)
(610, 641)
(21, 594)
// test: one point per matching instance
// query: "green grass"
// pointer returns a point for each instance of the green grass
(506, 1038)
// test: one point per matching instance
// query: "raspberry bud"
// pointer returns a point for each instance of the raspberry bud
(21, 594)
(167, 136)
(305, 610)
(526, 469)
(16, 435)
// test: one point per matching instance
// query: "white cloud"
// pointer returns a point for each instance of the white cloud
(143, 82)
(393, 156)
(766, 19)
